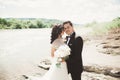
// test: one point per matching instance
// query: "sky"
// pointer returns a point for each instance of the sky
(77, 11)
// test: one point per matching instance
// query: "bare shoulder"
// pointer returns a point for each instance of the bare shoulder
(57, 43)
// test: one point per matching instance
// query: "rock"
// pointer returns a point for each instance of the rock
(110, 42)
(104, 43)
(114, 72)
(26, 77)
(95, 76)
(111, 46)
(117, 38)
(45, 64)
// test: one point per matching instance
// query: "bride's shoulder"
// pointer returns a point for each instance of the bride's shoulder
(56, 43)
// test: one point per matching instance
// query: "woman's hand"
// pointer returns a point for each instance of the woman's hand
(63, 60)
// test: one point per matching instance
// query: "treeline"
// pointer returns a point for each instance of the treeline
(104, 26)
(25, 23)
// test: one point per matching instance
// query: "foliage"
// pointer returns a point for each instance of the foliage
(104, 26)
(25, 23)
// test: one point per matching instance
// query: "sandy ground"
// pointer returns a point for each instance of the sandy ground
(22, 50)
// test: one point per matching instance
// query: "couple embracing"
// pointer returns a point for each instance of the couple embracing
(72, 47)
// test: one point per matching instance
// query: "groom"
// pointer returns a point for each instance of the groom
(74, 63)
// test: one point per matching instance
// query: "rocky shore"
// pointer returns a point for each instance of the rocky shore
(91, 72)
(108, 43)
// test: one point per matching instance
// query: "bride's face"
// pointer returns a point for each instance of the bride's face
(62, 33)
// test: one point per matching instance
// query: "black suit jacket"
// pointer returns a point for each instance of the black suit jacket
(74, 62)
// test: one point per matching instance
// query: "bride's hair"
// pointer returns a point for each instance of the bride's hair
(56, 31)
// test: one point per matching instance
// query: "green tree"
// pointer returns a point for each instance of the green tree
(32, 26)
(39, 24)
(3, 23)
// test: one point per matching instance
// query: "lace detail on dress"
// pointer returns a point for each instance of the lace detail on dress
(57, 43)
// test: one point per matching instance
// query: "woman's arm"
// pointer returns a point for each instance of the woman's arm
(52, 51)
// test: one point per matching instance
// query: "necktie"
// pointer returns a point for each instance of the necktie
(68, 39)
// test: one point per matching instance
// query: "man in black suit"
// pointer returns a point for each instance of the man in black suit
(74, 62)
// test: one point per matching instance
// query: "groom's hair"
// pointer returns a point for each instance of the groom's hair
(68, 22)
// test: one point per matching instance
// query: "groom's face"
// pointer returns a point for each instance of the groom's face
(68, 29)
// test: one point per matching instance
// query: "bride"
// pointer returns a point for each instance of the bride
(58, 69)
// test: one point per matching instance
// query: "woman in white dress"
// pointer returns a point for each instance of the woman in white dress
(56, 72)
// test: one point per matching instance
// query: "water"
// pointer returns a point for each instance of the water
(22, 50)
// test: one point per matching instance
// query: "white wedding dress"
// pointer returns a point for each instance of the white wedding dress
(55, 73)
